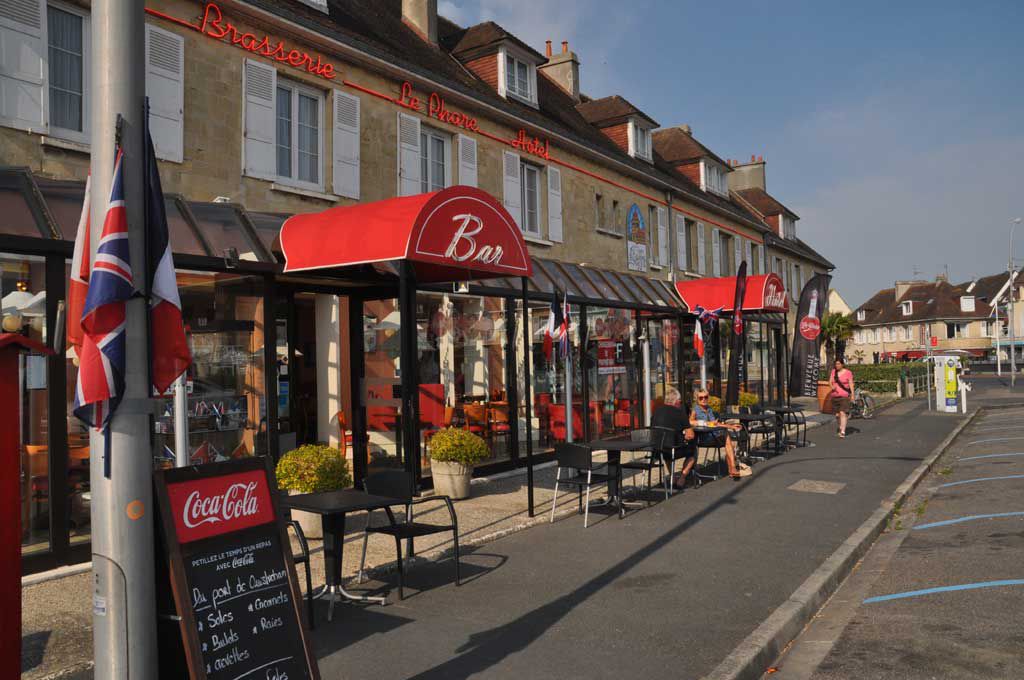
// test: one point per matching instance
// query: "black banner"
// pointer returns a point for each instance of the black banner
(806, 366)
(738, 341)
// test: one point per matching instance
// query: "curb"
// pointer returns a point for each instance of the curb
(751, 658)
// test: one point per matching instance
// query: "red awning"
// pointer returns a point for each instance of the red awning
(455, 234)
(765, 292)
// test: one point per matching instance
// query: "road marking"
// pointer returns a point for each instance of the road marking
(813, 486)
(998, 439)
(990, 455)
(1002, 428)
(945, 589)
(981, 479)
(968, 518)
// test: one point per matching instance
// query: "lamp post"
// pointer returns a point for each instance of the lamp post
(1009, 309)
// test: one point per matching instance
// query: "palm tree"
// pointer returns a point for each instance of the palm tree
(835, 328)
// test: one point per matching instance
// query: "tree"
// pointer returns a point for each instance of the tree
(858, 356)
(836, 328)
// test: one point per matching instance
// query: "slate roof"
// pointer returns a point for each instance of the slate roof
(477, 39)
(610, 111)
(797, 247)
(930, 300)
(765, 203)
(679, 147)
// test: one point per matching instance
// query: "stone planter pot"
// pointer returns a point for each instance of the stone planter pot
(311, 524)
(451, 479)
(823, 390)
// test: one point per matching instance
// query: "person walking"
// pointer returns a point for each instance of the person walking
(841, 382)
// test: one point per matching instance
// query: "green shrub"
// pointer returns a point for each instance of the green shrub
(881, 372)
(456, 445)
(747, 399)
(311, 468)
(715, 404)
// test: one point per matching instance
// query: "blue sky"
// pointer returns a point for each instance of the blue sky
(892, 129)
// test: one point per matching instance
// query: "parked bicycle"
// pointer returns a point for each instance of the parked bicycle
(863, 405)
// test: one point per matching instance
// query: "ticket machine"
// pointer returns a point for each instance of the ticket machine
(947, 382)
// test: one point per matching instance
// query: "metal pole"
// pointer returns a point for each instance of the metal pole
(124, 610)
(181, 447)
(568, 386)
(999, 333)
(1009, 308)
(528, 395)
(645, 349)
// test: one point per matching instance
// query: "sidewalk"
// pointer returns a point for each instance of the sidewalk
(57, 635)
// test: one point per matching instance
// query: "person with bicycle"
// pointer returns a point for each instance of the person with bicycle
(841, 382)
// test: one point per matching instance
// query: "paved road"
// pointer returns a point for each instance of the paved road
(941, 594)
(667, 592)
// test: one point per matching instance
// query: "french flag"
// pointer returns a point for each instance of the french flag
(78, 285)
(556, 321)
(170, 355)
(698, 338)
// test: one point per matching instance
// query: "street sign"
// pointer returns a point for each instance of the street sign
(935, 341)
(231, 574)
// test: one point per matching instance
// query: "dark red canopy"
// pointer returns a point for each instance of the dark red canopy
(455, 234)
(765, 293)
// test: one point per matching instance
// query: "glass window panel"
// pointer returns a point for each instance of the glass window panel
(268, 228)
(284, 132)
(510, 73)
(437, 174)
(64, 201)
(309, 139)
(524, 81)
(222, 228)
(618, 281)
(651, 295)
(581, 280)
(424, 163)
(556, 274)
(65, 68)
(18, 216)
(604, 290)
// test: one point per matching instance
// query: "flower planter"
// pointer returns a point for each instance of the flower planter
(451, 478)
(823, 390)
(312, 525)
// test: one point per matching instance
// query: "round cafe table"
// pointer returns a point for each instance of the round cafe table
(707, 429)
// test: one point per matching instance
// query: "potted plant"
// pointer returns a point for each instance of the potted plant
(309, 469)
(453, 453)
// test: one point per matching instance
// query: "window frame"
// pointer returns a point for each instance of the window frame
(599, 216)
(861, 314)
(638, 131)
(907, 307)
(296, 88)
(504, 55)
(57, 131)
(714, 178)
(524, 170)
(446, 141)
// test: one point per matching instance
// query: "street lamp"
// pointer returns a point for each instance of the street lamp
(1009, 309)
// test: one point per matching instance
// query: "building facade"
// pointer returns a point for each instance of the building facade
(264, 109)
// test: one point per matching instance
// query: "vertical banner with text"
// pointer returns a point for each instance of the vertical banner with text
(738, 341)
(806, 366)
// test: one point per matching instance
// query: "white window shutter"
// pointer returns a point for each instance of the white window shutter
(513, 196)
(555, 204)
(409, 181)
(702, 259)
(761, 255)
(23, 63)
(716, 252)
(664, 248)
(165, 87)
(346, 144)
(467, 161)
(749, 256)
(737, 252)
(260, 87)
(681, 243)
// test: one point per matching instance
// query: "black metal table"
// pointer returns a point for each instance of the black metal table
(786, 410)
(706, 429)
(332, 506)
(615, 447)
(745, 420)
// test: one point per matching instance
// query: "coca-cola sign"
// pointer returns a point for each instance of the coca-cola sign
(216, 505)
(810, 327)
(774, 294)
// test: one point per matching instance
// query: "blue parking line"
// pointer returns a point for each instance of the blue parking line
(990, 455)
(945, 589)
(997, 439)
(968, 518)
(981, 479)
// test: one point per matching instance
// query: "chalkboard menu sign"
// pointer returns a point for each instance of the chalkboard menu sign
(231, 573)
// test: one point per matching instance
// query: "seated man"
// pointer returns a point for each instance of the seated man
(672, 415)
(703, 415)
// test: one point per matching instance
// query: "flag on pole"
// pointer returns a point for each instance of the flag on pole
(169, 346)
(101, 368)
(563, 339)
(78, 285)
(738, 342)
(698, 339)
(555, 322)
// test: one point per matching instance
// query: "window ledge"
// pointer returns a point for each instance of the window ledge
(65, 144)
(537, 240)
(521, 99)
(308, 193)
(608, 232)
(657, 267)
(687, 272)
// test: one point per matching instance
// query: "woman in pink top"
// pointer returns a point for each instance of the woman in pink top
(841, 382)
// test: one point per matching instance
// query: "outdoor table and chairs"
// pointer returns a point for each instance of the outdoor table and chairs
(750, 423)
(332, 506)
(578, 459)
(711, 430)
(790, 416)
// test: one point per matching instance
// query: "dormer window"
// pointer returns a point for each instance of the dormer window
(788, 227)
(966, 303)
(639, 140)
(907, 307)
(519, 78)
(861, 315)
(713, 178)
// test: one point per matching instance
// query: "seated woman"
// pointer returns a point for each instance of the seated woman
(702, 414)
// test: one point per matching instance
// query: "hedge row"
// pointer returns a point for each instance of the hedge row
(870, 373)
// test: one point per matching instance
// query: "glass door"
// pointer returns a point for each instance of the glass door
(381, 384)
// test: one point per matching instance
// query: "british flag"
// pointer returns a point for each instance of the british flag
(101, 369)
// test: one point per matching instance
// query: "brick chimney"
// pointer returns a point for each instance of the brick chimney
(421, 16)
(903, 286)
(748, 175)
(563, 69)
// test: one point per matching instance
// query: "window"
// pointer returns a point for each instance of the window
(988, 329)
(598, 211)
(652, 228)
(67, 33)
(906, 332)
(530, 179)
(907, 307)
(727, 248)
(298, 133)
(966, 303)
(714, 178)
(640, 140)
(861, 314)
(614, 222)
(788, 227)
(956, 330)
(434, 154)
(519, 78)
